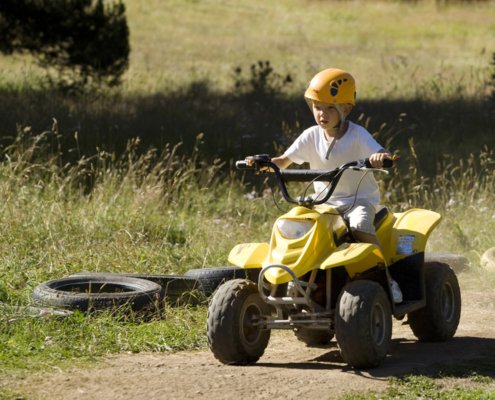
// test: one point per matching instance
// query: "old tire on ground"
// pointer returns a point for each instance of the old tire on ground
(176, 290)
(438, 320)
(232, 336)
(457, 262)
(97, 293)
(210, 278)
(363, 324)
(313, 337)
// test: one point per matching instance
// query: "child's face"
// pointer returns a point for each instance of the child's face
(326, 115)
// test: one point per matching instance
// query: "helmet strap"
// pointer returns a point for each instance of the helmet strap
(341, 126)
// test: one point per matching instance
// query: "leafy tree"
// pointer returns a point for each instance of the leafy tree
(82, 41)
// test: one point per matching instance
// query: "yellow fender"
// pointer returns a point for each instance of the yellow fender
(249, 255)
(356, 257)
(410, 233)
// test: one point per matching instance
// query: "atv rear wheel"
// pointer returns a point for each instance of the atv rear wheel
(233, 336)
(313, 337)
(438, 320)
(363, 324)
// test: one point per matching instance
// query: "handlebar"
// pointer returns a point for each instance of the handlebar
(387, 163)
(263, 163)
(241, 164)
(258, 160)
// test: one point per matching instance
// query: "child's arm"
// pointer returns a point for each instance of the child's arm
(281, 162)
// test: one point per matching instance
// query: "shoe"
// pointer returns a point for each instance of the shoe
(396, 292)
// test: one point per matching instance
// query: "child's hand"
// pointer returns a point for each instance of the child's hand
(376, 159)
(249, 161)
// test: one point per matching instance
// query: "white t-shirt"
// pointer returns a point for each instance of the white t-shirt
(356, 144)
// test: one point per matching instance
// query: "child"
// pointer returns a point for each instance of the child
(334, 141)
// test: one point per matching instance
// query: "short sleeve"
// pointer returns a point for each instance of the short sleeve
(300, 151)
(368, 144)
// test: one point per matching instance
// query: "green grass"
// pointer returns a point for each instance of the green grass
(461, 192)
(464, 380)
(423, 387)
(166, 213)
(387, 44)
(393, 47)
(161, 213)
(7, 394)
(138, 213)
(148, 213)
(428, 62)
(82, 195)
(32, 343)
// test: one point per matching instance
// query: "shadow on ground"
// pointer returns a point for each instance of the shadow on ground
(458, 357)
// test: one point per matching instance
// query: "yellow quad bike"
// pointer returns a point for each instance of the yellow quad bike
(314, 279)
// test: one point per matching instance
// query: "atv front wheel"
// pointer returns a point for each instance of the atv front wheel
(438, 320)
(363, 324)
(232, 332)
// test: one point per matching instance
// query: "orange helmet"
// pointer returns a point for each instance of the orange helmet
(332, 86)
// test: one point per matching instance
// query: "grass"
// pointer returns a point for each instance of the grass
(382, 42)
(462, 192)
(79, 192)
(424, 387)
(466, 380)
(162, 213)
(149, 213)
(35, 343)
(138, 213)
(165, 213)
(427, 62)
(387, 44)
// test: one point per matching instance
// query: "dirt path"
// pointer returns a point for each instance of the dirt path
(288, 370)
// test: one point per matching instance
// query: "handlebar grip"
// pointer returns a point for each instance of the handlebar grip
(241, 164)
(387, 163)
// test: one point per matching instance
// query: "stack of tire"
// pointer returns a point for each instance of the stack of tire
(133, 292)
(138, 292)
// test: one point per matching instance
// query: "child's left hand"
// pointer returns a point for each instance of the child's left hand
(376, 159)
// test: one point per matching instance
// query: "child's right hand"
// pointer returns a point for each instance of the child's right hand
(281, 162)
(376, 159)
(249, 161)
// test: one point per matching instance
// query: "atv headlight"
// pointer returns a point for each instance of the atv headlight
(294, 229)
